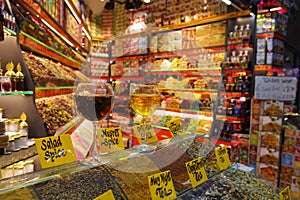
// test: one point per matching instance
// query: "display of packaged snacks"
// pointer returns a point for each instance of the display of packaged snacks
(269, 172)
(269, 140)
(253, 187)
(271, 124)
(268, 156)
(87, 184)
(273, 108)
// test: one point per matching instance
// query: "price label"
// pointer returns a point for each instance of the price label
(161, 186)
(110, 139)
(285, 194)
(149, 133)
(222, 157)
(174, 125)
(107, 196)
(55, 150)
(196, 172)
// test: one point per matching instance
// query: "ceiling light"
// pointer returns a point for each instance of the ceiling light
(275, 9)
(228, 2)
(147, 1)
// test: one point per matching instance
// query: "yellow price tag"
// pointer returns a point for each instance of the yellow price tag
(150, 133)
(55, 150)
(106, 196)
(285, 194)
(110, 139)
(196, 171)
(174, 125)
(161, 186)
(222, 157)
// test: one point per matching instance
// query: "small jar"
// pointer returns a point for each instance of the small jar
(29, 166)
(7, 172)
(11, 144)
(15, 155)
(18, 141)
(23, 138)
(14, 125)
(1, 113)
(18, 169)
(7, 158)
(7, 124)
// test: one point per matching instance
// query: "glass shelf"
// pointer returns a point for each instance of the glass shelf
(11, 32)
(55, 88)
(17, 93)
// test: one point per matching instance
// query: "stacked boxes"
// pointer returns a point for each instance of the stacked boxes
(266, 127)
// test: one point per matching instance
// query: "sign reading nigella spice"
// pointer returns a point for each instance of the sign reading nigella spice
(196, 171)
(161, 186)
(55, 150)
(275, 88)
(149, 133)
(110, 139)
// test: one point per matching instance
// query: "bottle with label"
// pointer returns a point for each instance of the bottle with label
(19, 79)
(11, 74)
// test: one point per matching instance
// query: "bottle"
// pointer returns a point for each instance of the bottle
(247, 34)
(11, 74)
(23, 126)
(1, 26)
(19, 79)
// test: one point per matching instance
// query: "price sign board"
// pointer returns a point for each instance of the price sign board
(107, 196)
(275, 88)
(110, 139)
(285, 194)
(161, 186)
(55, 150)
(196, 171)
(149, 133)
(222, 157)
(174, 126)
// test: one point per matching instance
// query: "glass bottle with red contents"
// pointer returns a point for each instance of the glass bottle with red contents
(11, 74)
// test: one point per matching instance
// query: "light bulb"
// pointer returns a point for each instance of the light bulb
(147, 1)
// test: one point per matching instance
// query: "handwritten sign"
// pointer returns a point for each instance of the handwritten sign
(110, 139)
(107, 196)
(174, 126)
(196, 171)
(275, 88)
(161, 186)
(222, 157)
(149, 133)
(55, 150)
(285, 194)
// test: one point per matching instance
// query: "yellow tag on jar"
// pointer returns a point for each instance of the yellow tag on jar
(222, 157)
(196, 171)
(55, 150)
(161, 186)
(149, 133)
(106, 196)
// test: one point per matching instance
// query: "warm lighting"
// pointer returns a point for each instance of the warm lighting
(228, 2)
(147, 1)
(56, 32)
(252, 14)
(86, 33)
(73, 11)
(275, 9)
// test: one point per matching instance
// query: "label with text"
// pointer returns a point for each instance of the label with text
(107, 196)
(161, 186)
(110, 139)
(149, 133)
(275, 88)
(196, 171)
(174, 126)
(285, 194)
(55, 150)
(222, 157)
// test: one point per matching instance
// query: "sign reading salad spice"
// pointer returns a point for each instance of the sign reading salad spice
(110, 139)
(161, 186)
(275, 88)
(107, 196)
(55, 150)
(222, 157)
(174, 126)
(196, 171)
(150, 133)
(285, 194)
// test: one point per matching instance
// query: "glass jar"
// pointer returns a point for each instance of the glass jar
(14, 125)
(11, 144)
(6, 85)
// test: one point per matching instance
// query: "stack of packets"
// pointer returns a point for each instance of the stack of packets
(265, 130)
(290, 163)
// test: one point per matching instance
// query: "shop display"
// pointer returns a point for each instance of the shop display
(87, 184)
(55, 111)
